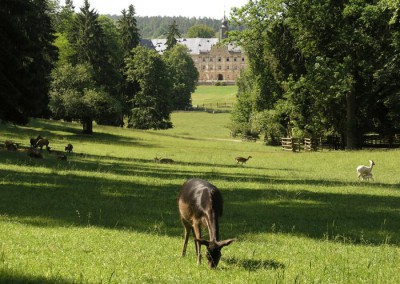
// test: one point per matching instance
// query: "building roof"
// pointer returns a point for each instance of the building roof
(195, 45)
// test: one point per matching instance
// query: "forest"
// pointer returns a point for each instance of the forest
(157, 26)
(61, 64)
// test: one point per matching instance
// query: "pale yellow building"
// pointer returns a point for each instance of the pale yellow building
(215, 62)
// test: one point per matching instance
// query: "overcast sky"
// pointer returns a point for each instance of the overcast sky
(187, 8)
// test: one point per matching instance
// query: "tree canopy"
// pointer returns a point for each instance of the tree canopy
(152, 104)
(27, 57)
(201, 31)
(183, 74)
(326, 67)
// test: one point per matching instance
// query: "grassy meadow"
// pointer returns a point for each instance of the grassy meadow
(210, 96)
(109, 215)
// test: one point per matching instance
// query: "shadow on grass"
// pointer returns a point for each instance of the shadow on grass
(253, 264)
(68, 194)
(74, 134)
(54, 199)
(11, 277)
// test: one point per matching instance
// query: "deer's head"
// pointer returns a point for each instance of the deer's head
(214, 250)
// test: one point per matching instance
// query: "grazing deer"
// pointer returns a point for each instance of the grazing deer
(242, 160)
(42, 142)
(69, 148)
(200, 203)
(33, 141)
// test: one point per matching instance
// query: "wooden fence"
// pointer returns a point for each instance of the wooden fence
(290, 144)
(310, 144)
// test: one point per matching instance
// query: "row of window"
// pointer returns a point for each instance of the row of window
(219, 59)
(218, 77)
(211, 67)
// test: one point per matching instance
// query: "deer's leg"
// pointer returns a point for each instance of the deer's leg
(187, 233)
(197, 233)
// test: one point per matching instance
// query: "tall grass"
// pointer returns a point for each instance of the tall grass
(109, 213)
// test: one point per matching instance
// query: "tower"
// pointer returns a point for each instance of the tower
(224, 28)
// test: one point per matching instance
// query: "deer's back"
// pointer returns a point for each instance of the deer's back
(198, 197)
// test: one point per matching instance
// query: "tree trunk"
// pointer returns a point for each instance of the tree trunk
(351, 124)
(87, 124)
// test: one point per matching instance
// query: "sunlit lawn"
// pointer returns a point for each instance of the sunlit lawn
(109, 213)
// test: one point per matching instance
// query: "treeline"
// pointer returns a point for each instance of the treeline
(157, 26)
(61, 64)
(319, 68)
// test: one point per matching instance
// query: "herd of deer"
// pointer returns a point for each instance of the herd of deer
(36, 148)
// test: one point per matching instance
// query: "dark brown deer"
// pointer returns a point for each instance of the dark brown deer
(69, 148)
(200, 203)
(42, 142)
(33, 141)
(242, 160)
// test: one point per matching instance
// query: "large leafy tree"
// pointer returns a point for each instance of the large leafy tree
(74, 94)
(26, 59)
(152, 104)
(183, 74)
(332, 61)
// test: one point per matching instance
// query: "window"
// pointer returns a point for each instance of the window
(211, 60)
(227, 59)
(235, 67)
(235, 59)
(204, 67)
(242, 59)
(219, 59)
(219, 67)
(227, 67)
(204, 59)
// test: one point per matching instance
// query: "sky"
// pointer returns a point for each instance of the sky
(187, 8)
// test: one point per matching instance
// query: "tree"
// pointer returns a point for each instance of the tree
(27, 57)
(325, 62)
(151, 105)
(128, 31)
(172, 35)
(183, 74)
(94, 42)
(74, 95)
(201, 31)
(130, 38)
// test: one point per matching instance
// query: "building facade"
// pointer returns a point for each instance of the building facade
(215, 62)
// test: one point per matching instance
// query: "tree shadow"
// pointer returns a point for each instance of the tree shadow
(13, 277)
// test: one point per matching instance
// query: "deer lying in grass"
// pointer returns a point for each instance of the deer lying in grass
(163, 160)
(200, 203)
(242, 160)
(10, 145)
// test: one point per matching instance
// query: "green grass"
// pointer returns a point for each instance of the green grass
(210, 96)
(109, 213)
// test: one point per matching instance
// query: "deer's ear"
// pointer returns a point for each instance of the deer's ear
(226, 242)
(203, 242)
